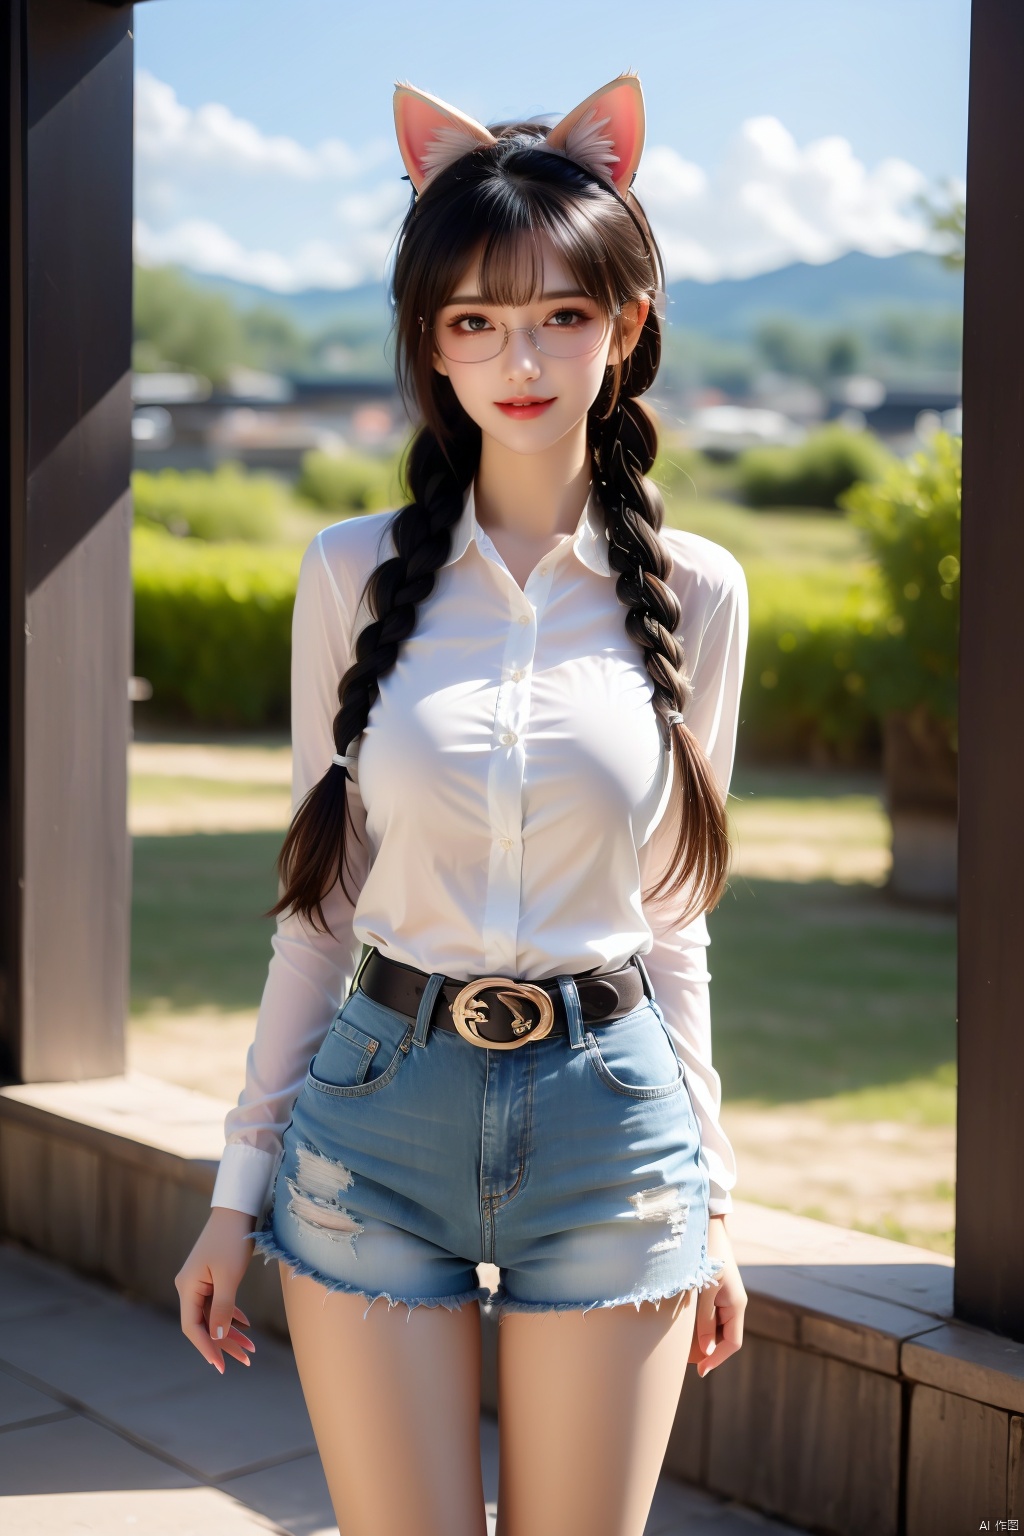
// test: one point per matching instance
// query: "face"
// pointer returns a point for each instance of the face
(528, 398)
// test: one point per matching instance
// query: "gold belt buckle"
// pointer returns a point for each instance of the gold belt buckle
(470, 1010)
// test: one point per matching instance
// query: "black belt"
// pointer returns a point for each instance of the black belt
(499, 1012)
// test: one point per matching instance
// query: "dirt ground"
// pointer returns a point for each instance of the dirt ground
(880, 1176)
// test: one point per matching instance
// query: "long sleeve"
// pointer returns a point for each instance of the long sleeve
(678, 960)
(309, 972)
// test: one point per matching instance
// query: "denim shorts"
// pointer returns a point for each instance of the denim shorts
(572, 1163)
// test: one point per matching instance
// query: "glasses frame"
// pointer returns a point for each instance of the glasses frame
(527, 330)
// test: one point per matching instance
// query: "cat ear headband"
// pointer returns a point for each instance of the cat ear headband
(604, 134)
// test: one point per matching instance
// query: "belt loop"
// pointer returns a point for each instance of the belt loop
(369, 951)
(425, 1012)
(644, 977)
(573, 1010)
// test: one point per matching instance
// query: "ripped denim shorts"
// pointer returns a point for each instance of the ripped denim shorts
(572, 1163)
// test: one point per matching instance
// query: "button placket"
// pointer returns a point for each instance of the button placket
(506, 779)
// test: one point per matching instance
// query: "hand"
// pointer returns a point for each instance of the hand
(719, 1328)
(207, 1283)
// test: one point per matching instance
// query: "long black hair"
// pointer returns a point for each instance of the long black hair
(497, 201)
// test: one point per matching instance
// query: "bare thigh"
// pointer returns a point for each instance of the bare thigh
(394, 1398)
(586, 1405)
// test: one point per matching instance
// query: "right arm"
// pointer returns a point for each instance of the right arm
(308, 974)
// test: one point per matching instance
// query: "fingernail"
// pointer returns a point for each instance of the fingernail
(710, 1348)
(219, 1334)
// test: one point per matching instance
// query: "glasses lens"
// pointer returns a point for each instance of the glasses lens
(465, 337)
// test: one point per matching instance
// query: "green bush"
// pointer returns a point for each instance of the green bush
(813, 474)
(911, 521)
(349, 482)
(213, 628)
(810, 655)
(229, 504)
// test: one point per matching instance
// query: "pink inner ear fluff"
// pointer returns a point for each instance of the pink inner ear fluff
(619, 109)
(427, 129)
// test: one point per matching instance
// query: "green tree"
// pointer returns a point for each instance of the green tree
(178, 326)
(911, 521)
(272, 341)
(946, 212)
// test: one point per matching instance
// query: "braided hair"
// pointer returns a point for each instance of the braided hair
(495, 202)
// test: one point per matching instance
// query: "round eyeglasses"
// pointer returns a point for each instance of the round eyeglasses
(471, 337)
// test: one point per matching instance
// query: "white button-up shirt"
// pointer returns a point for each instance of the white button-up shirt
(511, 791)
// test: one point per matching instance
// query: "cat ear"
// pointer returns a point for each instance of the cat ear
(605, 133)
(432, 135)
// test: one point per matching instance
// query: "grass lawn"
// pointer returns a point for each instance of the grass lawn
(198, 938)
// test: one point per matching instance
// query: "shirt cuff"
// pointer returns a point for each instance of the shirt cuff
(243, 1179)
(719, 1204)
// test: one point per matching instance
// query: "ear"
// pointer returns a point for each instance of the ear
(431, 134)
(605, 133)
(633, 321)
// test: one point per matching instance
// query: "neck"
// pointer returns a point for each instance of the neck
(534, 495)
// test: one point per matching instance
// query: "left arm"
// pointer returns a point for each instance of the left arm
(677, 961)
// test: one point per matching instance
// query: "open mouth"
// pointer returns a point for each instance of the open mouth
(524, 406)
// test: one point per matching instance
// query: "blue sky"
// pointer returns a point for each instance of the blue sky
(778, 130)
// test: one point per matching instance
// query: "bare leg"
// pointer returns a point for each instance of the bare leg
(586, 1405)
(395, 1403)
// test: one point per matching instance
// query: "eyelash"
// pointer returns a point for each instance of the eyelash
(474, 314)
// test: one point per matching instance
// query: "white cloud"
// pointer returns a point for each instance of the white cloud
(204, 247)
(772, 202)
(214, 191)
(173, 137)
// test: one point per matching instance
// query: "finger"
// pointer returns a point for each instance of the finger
(194, 1329)
(240, 1315)
(235, 1351)
(707, 1322)
(222, 1311)
(730, 1340)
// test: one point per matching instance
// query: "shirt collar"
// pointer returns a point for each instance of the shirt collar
(589, 542)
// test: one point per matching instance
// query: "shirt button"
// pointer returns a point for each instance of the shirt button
(517, 676)
(506, 842)
(509, 739)
(524, 618)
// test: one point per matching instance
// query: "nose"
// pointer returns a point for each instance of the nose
(522, 357)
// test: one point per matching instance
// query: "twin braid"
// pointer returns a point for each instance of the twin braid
(422, 536)
(623, 446)
(313, 857)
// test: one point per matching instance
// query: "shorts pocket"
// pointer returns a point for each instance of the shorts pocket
(353, 1062)
(635, 1056)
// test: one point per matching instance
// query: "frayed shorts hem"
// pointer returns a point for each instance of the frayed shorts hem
(265, 1242)
(707, 1274)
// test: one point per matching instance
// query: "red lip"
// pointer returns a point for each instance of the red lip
(524, 407)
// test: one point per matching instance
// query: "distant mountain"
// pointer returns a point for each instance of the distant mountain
(850, 289)
(313, 309)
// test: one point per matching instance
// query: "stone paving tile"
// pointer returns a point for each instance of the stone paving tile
(294, 1495)
(74, 1455)
(217, 1425)
(19, 1403)
(29, 1286)
(681, 1510)
(107, 1356)
(136, 1512)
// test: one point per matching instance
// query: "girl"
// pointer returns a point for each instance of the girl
(514, 712)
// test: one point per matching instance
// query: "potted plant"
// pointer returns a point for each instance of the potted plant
(911, 521)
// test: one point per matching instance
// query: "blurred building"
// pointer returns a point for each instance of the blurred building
(263, 421)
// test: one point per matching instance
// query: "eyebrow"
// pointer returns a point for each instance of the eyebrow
(565, 293)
